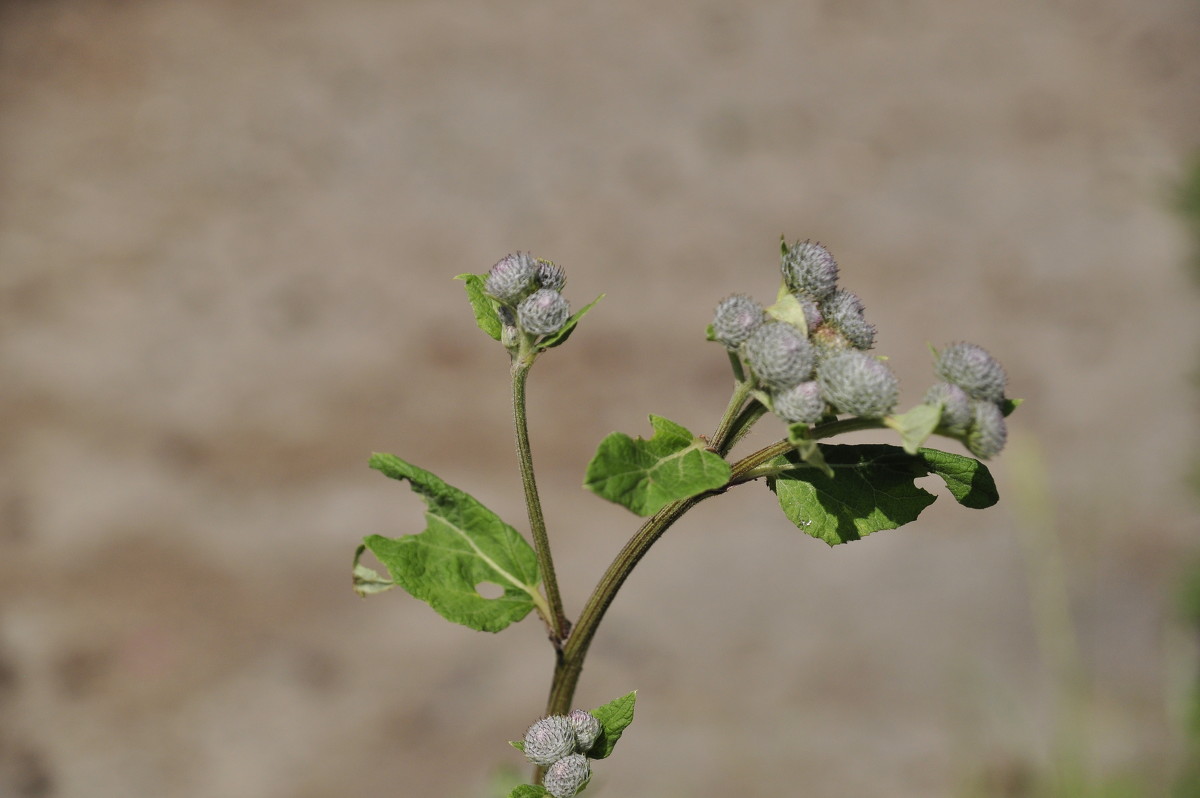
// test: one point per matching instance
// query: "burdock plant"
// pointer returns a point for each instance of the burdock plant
(804, 359)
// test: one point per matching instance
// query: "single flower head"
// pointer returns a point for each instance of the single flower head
(803, 402)
(988, 432)
(549, 740)
(809, 270)
(971, 368)
(566, 776)
(550, 275)
(955, 404)
(779, 355)
(511, 278)
(543, 312)
(859, 384)
(843, 311)
(587, 729)
(736, 317)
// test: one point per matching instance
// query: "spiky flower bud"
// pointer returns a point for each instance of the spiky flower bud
(736, 317)
(511, 278)
(564, 778)
(543, 312)
(548, 740)
(779, 354)
(844, 312)
(587, 729)
(809, 270)
(550, 275)
(812, 313)
(857, 383)
(804, 403)
(988, 432)
(971, 368)
(956, 405)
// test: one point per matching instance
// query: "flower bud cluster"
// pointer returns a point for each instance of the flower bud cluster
(560, 743)
(971, 395)
(811, 360)
(528, 290)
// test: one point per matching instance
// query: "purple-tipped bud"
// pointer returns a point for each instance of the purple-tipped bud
(809, 270)
(859, 384)
(564, 778)
(779, 355)
(587, 729)
(955, 404)
(543, 312)
(801, 403)
(988, 432)
(550, 276)
(812, 313)
(549, 740)
(736, 317)
(844, 312)
(511, 278)
(971, 368)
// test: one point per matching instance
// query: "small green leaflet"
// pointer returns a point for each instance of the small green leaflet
(873, 488)
(915, 426)
(614, 717)
(528, 791)
(645, 475)
(564, 332)
(464, 545)
(484, 307)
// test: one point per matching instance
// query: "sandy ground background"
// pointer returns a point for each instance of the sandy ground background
(227, 237)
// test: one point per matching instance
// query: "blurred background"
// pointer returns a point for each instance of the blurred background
(228, 232)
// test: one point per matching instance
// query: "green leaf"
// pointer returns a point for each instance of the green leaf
(809, 450)
(915, 426)
(1009, 405)
(564, 332)
(873, 488)
(789, 310)
(614, 717)
(367, 581)
(484, 307)
(645, 475)
(970, 482)
(518, 744)
(465, 544)
(528, 791)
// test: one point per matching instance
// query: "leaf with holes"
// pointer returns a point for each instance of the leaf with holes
(464, 545)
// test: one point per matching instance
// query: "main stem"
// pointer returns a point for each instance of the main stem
(557, 624)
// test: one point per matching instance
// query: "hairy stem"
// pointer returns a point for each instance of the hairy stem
(556, 623)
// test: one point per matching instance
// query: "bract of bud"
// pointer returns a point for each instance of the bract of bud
(564, 778)
(511, 278)
(548, 740)
(779, 355)
(988, 432)
(736, 317)
(955, 404)
(844, 312)
(543, 312)
(971, 368)
(812, 313)
(550, 275)
(803, 402)
(809, 270)
(587, 729)
(857, 383)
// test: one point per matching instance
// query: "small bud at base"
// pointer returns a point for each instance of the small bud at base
(955, 404)
(587, 729)
(801, 403)
(564, 778)
(543, 312)
(736, 318)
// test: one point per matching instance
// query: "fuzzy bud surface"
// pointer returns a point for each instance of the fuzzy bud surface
(857, 383)
(548, 740)
(956, 405)
(780, 355)
(736, 318)
(971, 368)
(988, 432)
(543, 312)
(564, 778)
(550, 275)
(587, 729)
(844, 312)
(809, 270)
(511, 277)
(804, 403)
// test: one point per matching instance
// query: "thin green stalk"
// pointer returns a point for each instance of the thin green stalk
(557, 623)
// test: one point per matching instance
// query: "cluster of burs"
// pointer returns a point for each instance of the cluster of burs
(529, 292)
(808, 357)
(560, 743)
